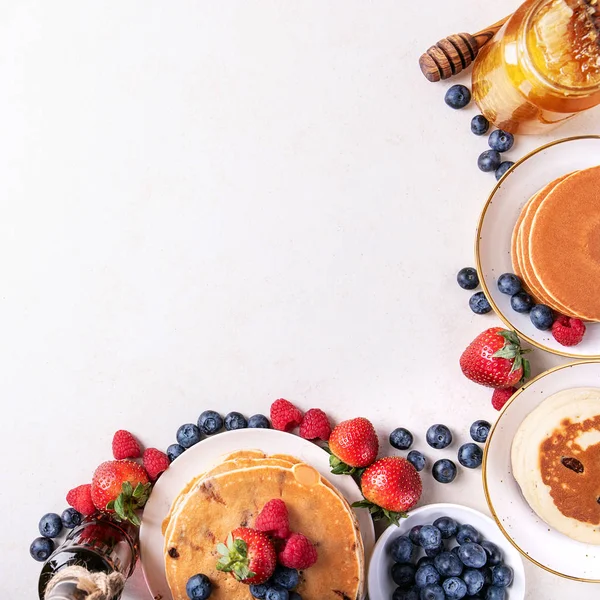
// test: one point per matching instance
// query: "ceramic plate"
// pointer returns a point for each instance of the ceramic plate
(381, 586)
(206, 454)
(493, 242)
(547, 548)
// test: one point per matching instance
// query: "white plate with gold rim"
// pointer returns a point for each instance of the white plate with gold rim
(535, 539)
(208, 453)
(497, 221)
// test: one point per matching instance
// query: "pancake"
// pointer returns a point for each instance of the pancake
(515, 240)
(564, 244)
(218, 504)
(555, 459)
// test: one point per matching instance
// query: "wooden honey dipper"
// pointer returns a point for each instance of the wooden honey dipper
(456, 52)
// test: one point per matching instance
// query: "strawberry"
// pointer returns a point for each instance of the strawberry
(80, 498)
(124, 445)
(298, 552)
(502, 396)
(273, 519)
(155, 462)
(315, 425)
(391, 486)
(120, 487)
(568, 331)
(284, 415)
(248, 555)
(495, 359)
(353, 444)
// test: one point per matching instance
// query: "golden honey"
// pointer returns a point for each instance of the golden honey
(542, 67)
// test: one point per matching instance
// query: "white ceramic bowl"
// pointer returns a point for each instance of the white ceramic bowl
(381, 586)
(494, 233)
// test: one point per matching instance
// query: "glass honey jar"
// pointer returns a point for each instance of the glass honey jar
(542, 67)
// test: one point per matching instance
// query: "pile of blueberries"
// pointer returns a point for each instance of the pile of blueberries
(209, 423)
(438, 436)
(459, 96)
(472, 569)
(51, 526)
(541, 316)
(279, 587)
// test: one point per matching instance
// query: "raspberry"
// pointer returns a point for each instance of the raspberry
(568, 331)
(298, 552)
(284, 415)
(155, 462)
(80, 498)
(273, 519)
(315, 425)
(124, 445)
(501, 396)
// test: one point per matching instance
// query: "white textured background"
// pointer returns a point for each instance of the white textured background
(214, 204)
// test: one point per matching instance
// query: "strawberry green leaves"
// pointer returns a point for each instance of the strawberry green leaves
(129, 501)
(234, 558)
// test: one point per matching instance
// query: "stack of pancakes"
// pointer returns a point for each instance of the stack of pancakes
(232, 494)
(556, 245)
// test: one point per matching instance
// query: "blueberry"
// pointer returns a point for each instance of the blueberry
(402, 549)
(427, 575)
(401, 438)
(455, 588)
(458, 96)
(259, 591)
(495, 593)
(41, 548)
(487, 575)
(502, 576)
(50, 525)
(413, 535)
(509, 283)
(467, 278)
(410, 594)
(470, 455)
(188, 435)
(403, 574)
(447, 526)
(500, 140)
(479, 304)
(432, 592)
(71, 518)
(430, 536)
(479, 125)
(174, 450)
(416, 459)
(277, 593)
(474, 580)
(489, 161)
(472, 555)
(494, 554)
(294, 595)
(210, 422)
(448, 564)
(444, 471)
(235, 420)
(542, 317)
(455, 550)
(285, 577)
(504, 166)
(439, 436)
(433, 551)
(480, 430)
(424, 560)
(468, 533)
(198, 587)
(259, 422)
(521, 302)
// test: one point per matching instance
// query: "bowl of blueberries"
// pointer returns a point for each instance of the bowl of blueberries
(445, 552)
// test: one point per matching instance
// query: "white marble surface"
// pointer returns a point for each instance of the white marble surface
(213, 204)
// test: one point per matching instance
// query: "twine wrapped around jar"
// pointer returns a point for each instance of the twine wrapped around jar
(95, 586)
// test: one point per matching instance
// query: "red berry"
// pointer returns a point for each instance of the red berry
(315, 425)
(501, 397)
(568, 331)
(298, 552)
(80, 498)
(284, 415)
(124, 445)
(273, 519)
(155, 462)
(354, 442)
